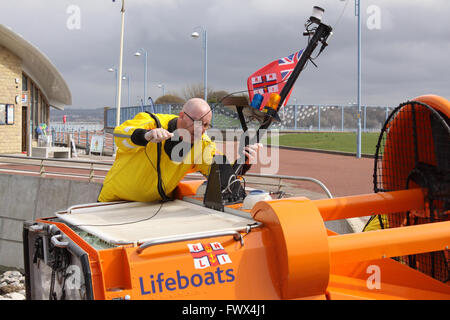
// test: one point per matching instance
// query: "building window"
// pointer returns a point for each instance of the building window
(24, 82)
(32, 106)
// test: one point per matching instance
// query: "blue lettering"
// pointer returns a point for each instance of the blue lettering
(160, 280)
(153, 284)
(183, 282)
(230, 275)
(218, 272)
(200, 280)
(170, 282)
(209, 280)
(143, 292)
(180, 277)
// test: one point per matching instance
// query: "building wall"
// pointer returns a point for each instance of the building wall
(10, 70)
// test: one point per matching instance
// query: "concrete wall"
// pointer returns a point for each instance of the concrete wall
(25, 198)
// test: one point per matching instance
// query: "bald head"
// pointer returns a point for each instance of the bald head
(195, 110)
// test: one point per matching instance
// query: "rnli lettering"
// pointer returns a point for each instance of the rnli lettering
(208, 255)
(160, 283)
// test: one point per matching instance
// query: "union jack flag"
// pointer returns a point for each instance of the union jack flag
(272, 78)
(287, 64)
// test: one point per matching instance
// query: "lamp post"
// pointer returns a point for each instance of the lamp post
(127, 77)
(162, 86)
(358, 131)
(119, 82)
(115, 95)
(138, 54)
(196, 35)
(119, 77)
(358, 139)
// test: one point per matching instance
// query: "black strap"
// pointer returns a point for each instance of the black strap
(161, 191)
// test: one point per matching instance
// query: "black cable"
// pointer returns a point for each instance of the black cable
(121, 223)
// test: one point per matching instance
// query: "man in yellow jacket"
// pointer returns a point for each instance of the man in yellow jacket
(183, 148)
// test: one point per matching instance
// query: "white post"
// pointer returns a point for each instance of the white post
(119, 78)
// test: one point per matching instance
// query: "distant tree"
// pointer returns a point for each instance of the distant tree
(196, 91)
(169, 98)
(216, 96)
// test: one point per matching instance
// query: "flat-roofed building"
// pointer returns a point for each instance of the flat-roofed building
(29, 86)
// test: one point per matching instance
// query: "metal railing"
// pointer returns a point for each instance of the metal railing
(301, 117)
(293, 178)
(46, 167)
(87, 169)
(81, 137)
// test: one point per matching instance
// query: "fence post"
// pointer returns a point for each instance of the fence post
(87, 141)
(42, 169)
(318, 113)
(295, 117)
(342, 118)
(365, 108)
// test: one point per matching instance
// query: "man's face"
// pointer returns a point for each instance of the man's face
(196, 123)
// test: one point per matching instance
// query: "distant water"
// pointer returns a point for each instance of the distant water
(75, 126)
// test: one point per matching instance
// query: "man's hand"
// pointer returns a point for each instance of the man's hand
(251, 153)
(157, 135)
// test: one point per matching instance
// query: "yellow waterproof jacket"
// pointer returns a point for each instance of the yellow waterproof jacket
(377, 222)
(133, 175)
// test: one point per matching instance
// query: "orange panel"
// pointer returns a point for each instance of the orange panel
(168, 271)
(383, 279)
(297, 243)
(187, 188)
(116, 270)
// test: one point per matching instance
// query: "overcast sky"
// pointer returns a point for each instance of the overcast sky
(405, 46)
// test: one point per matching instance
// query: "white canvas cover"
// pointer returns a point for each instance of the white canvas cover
(137, 222)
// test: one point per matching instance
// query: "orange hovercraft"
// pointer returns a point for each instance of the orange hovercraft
(207, 245)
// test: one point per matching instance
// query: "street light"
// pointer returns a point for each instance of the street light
(115, 71)
(138, 54)
(162, 86)
(127, 77)
(196, 35)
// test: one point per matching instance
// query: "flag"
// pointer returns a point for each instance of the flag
(272, 78)
(208, 254)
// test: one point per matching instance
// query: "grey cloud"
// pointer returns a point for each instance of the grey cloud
(406, 58)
